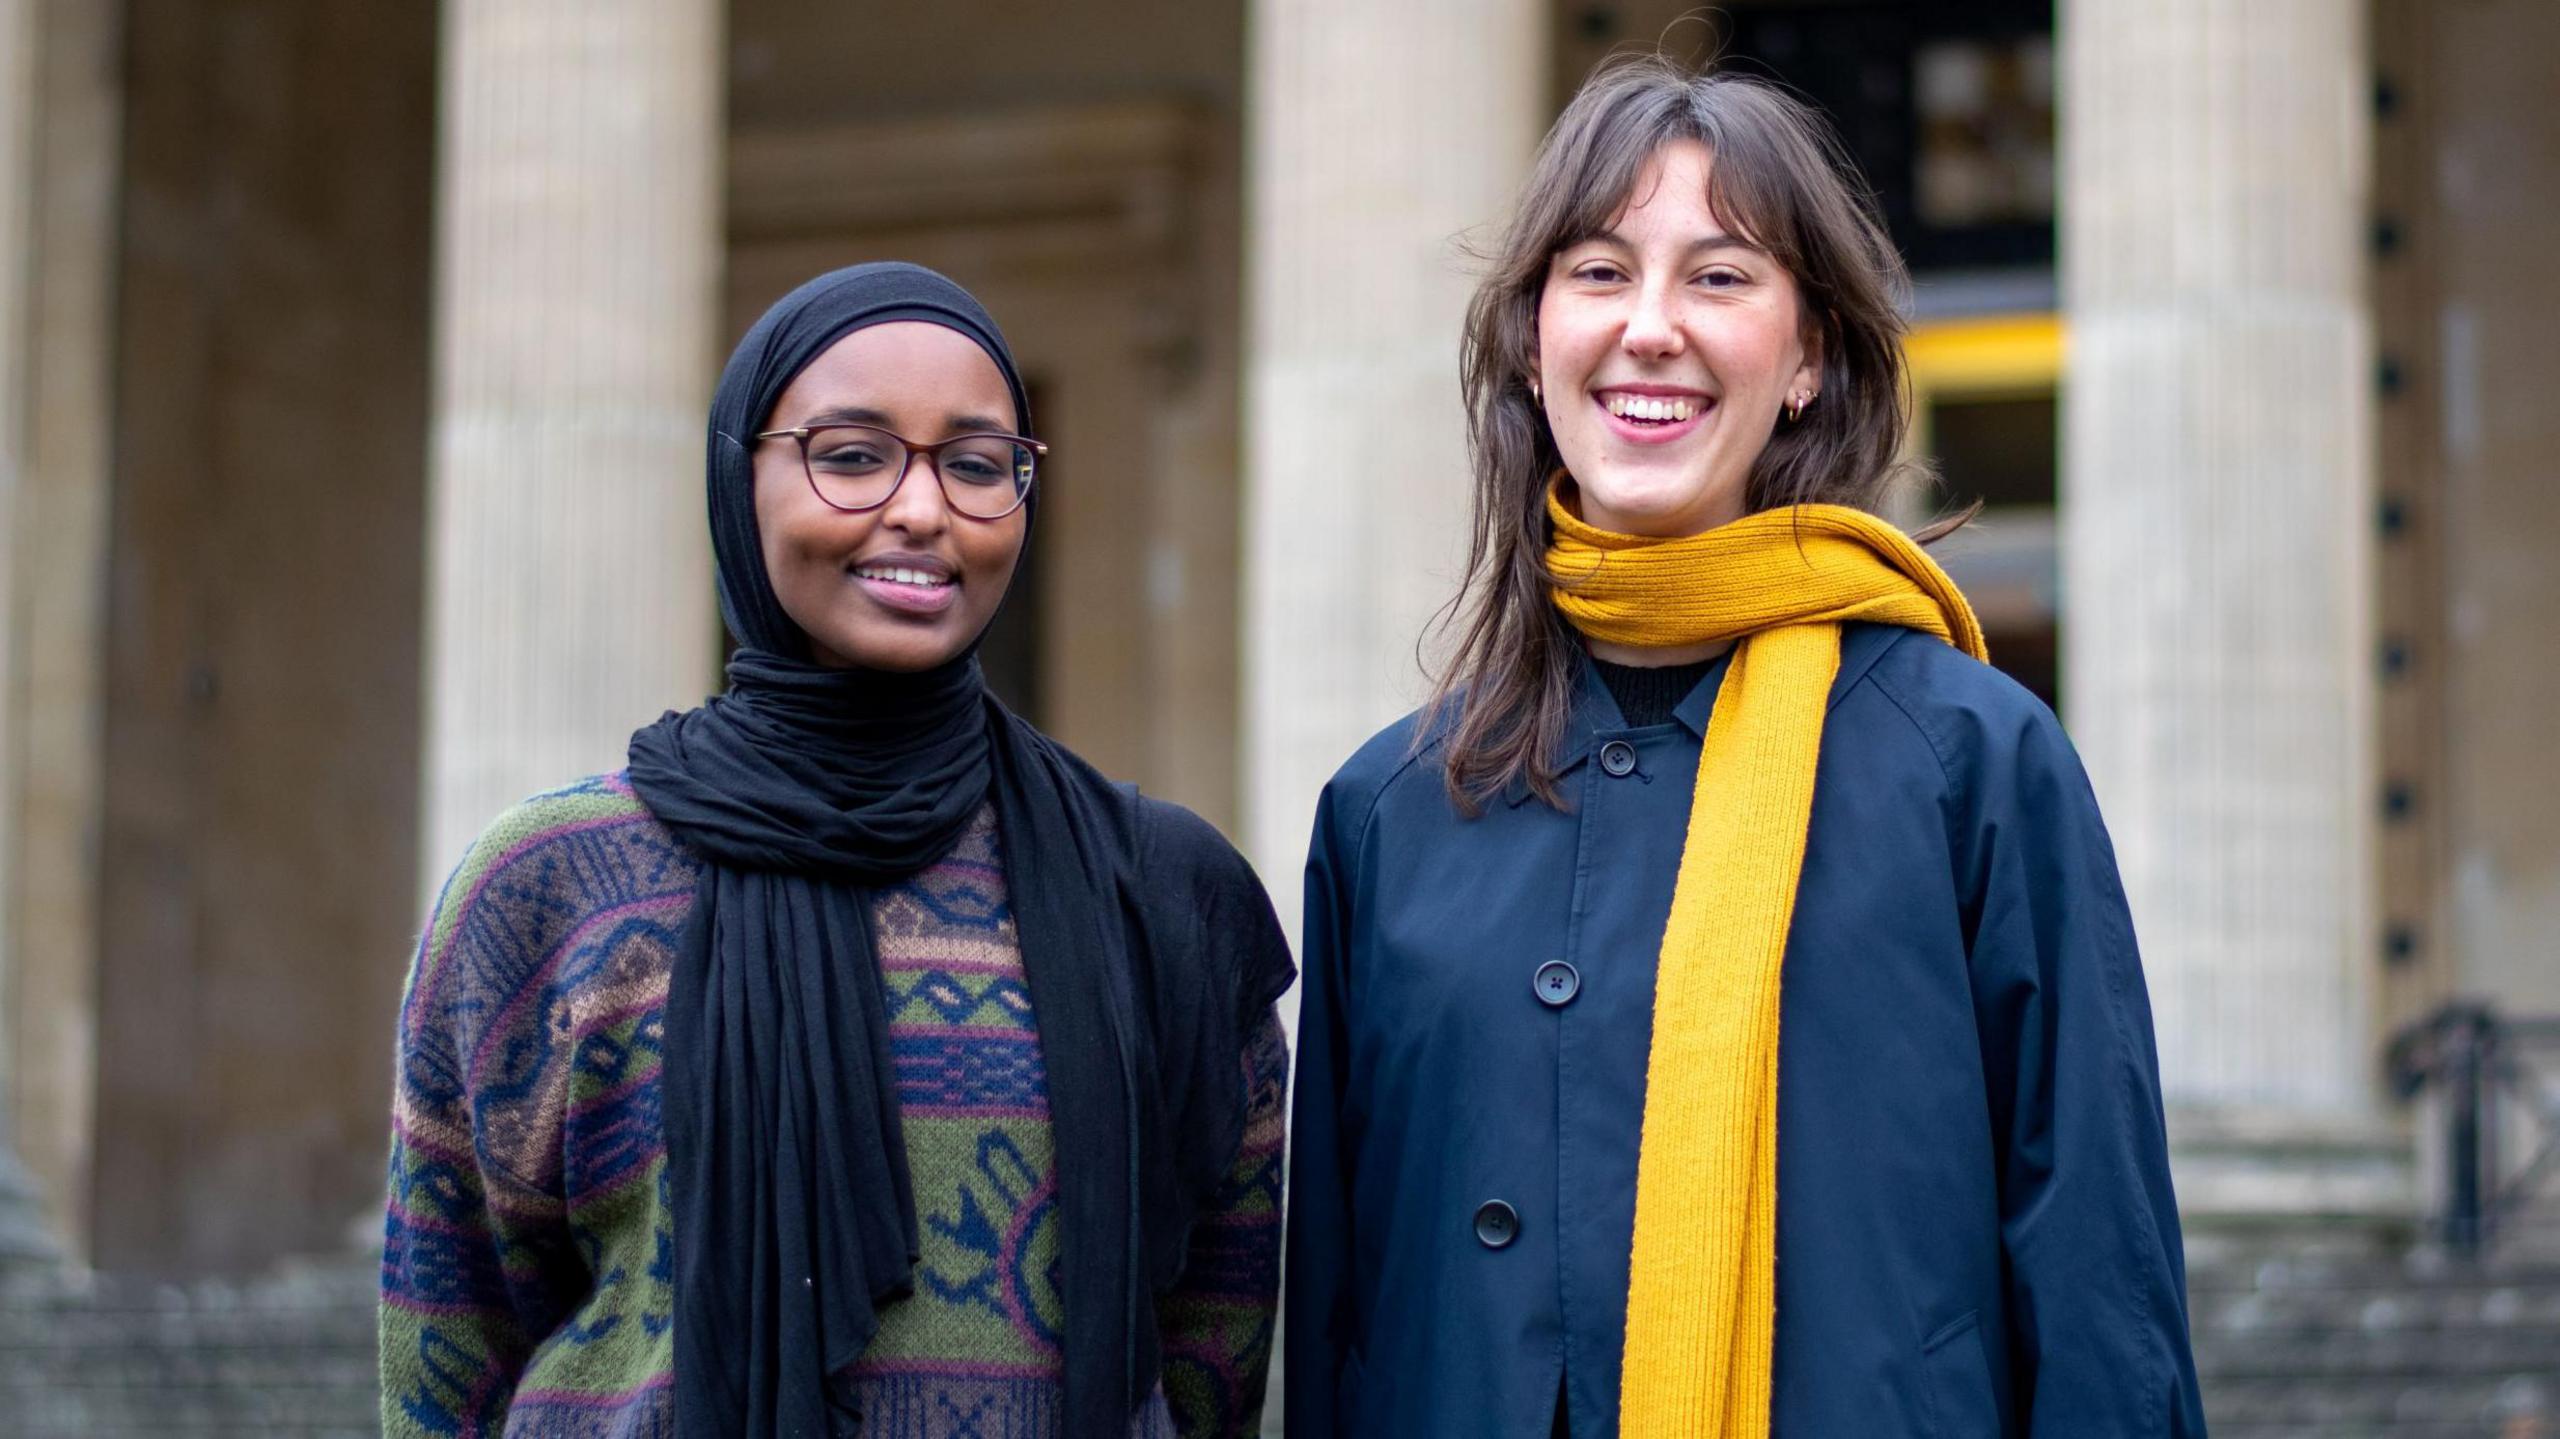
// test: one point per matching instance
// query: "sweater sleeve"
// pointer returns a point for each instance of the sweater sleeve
(1216, 1324)
(2097, 1288)
(478, 1261)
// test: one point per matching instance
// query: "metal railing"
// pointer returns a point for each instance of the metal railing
(2494, 1080)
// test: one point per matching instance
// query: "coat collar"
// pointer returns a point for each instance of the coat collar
(1596, 717)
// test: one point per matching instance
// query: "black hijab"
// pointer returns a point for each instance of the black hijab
(804, 789)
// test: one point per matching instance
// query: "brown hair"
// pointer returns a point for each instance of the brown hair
(1782, 180)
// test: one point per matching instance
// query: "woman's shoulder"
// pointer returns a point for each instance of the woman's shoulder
(1987, 730)
(1198, 882)
(566, 852)
(1179, 846)
(539, 821)
(1403, 753)
(538, 879)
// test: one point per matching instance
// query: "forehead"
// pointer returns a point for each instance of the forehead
(904, 364)
(1672, 188)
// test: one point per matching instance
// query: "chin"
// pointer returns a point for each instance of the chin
(1640, 512)
(898, 655)
(1664, 507)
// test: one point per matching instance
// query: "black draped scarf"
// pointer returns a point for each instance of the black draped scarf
(805, 789)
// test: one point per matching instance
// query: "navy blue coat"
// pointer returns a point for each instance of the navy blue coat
(1976, 1234)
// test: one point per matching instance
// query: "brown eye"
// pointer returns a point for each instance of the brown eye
(853, 457)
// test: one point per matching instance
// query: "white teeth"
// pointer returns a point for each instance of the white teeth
(899, 575)
(1640, 407)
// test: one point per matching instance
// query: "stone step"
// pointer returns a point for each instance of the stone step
(2374, 1311)
(2387, 1404)
(2340, 1272)
(2376, 1430)
(97, 1358)
(2349, 1345)
(2456, 1353)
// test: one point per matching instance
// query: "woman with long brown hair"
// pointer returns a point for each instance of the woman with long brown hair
(1721, 1015)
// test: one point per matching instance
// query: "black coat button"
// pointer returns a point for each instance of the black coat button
(1618, 758)
(1556, 983)
(1497, 1224)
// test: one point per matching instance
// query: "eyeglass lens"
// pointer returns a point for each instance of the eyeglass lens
(855, 467)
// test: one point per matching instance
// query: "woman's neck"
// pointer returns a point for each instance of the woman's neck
(1656, 657)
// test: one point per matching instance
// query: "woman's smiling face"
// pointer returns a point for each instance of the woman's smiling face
(1667, 345)
(911, 584)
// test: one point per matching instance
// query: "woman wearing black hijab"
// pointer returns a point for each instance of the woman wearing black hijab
(858, 1061)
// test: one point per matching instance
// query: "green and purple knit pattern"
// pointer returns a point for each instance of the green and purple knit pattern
(528, 1253)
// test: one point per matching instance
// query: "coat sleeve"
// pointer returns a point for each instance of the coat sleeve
(2096, 1271)
(1318, 1338)
(477, 1258)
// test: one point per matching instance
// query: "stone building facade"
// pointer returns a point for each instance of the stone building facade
(351, 378)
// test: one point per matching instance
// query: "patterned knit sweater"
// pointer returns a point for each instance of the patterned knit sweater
(528, 1252)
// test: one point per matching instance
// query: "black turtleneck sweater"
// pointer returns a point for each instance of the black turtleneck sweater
(1647, 695)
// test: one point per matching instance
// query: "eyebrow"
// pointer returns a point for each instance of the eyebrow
(954, 424)
(1712, 240)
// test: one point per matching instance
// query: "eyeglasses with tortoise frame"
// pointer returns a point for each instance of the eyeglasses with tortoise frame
(857, 468)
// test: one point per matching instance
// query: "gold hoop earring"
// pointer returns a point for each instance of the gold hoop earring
(1536, 395)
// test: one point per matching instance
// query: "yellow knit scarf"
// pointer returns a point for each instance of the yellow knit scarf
(1702, 1292)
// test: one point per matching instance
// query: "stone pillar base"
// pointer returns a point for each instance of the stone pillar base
(26, 1241)
(2317, 1182)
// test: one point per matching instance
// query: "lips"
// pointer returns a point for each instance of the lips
(1652, 414)
(909, 584)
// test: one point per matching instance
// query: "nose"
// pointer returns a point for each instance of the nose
(918, 506)
(1653, 330)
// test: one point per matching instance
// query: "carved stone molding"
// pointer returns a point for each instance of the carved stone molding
(1035, 189)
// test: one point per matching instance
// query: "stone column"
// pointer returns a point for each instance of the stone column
(579, 239)
(22, 1232)
(1382, 139)
(2217, 506)
(63, 91)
